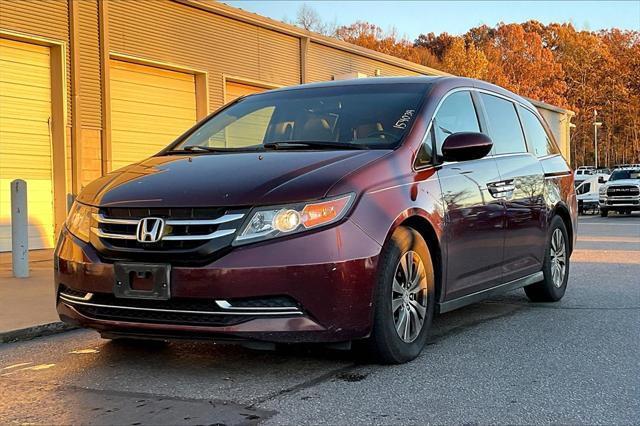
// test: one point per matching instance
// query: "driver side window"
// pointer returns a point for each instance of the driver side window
(456, 114)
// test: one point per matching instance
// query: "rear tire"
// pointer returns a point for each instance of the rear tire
(604, 212)
(404, 299)
(555, 267)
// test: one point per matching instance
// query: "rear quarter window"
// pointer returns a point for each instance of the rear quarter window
(504, 125)
(537, 137)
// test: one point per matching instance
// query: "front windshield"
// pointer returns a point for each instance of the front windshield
(625, 174)
(359, 116)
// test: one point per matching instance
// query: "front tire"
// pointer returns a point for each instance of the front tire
(555, 267)
(404, 299)
(604, 212)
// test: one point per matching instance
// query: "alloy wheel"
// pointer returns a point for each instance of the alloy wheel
(558, 254)
(409, 296)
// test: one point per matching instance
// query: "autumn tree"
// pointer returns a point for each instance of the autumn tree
(621, 94)
(465, 60)
(480, 36)
(309, 19)
(520, 62)
(373, 37)
(583, 71)
(599, 73)
(436, 44)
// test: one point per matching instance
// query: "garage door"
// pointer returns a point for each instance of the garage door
(251, 128)
(235, 90)
(25, 144)
(150, 107)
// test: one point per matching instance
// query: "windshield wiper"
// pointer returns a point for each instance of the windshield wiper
(190, 149)
(301, 144)
(205, 149)
(277, 145)
(199, 148)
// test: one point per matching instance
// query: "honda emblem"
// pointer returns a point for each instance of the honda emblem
(150, 230)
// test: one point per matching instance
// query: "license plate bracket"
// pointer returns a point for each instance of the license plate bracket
(155, 279)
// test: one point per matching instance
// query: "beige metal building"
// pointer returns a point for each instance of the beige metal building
(87, 86)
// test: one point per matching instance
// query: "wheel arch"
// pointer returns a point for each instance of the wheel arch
(562, 211)
(426, 229)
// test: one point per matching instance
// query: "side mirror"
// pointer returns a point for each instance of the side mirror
(466, 146)
(601, 179)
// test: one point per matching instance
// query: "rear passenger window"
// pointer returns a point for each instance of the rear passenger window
(504, 125)
(584, 188)
(537, 138)
(456, 114)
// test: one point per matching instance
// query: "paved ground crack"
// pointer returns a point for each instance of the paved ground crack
(348, 370)
(109, 406)
(433, 338)
(304, 385)
(567, 308)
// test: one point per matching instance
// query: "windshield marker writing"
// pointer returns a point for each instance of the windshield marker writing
(406, 117)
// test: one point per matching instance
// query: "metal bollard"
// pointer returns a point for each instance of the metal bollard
(19, 229)
(70, 199)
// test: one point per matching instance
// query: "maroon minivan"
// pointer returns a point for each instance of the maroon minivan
(339, 212)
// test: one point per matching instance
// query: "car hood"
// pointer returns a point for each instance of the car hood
(226, 179)
(623, 182)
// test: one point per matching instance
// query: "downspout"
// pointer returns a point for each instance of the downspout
(76, 143)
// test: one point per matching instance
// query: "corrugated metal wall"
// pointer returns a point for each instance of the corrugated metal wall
(89, 82)
(188, 37)
(90, 73)
(325, 62)
(558, 123)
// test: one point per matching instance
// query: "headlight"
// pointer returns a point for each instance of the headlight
(602, 190)
(79, 221)
(271, 222)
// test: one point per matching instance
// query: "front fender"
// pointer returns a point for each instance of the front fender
(381, 211)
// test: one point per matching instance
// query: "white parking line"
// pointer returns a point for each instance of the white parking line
(609, 224)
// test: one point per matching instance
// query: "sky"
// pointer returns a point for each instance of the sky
(412, 18)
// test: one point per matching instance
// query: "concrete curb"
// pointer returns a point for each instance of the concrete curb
(35, 331)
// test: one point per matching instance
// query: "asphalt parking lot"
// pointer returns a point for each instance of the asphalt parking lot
(502, 361)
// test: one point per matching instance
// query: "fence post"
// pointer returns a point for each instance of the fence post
(19, 229)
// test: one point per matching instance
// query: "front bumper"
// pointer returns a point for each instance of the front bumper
(619, 202)
(330, 274)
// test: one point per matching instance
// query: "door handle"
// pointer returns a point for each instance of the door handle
(502, 189)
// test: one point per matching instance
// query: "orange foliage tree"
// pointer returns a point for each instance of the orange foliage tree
(373, 37)
(584, 71)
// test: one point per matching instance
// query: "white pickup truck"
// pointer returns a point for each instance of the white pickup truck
(621, 193)
(583, 173)
(587, 193)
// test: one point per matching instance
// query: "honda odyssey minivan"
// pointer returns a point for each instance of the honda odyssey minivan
(344, 212)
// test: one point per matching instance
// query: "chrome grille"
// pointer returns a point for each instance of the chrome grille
(622, 191)
(189, 232)
(181, 229)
